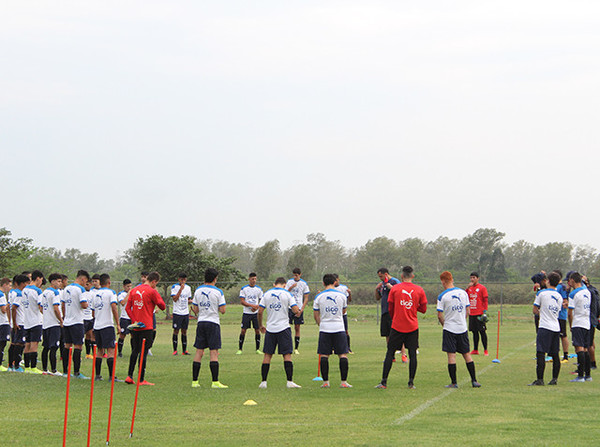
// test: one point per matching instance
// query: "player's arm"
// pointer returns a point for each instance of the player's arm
(317, 315)
(422, 303)
(570, 317)
(391, 304)
(441, 317)
(378, 292)
(115, 312)
(3, 309)
(84, 305)
(62, 307)
(304, 303)
(177, 295)
(349, 297)
(261, 311)
(195, 308)
(158, 301)
(14, 315)
(57, 313)
(296, 310)
(222, 304)
(536, 310)
(247, 304)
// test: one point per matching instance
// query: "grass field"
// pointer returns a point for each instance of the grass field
(504, 411)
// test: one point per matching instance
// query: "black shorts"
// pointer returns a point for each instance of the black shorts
(563, 328)
(346, 322)
(105, 337)
(294, 319)
(17, 335)
(332, 343)
(124, 322)
(580, 337)
(137, 339)
(410, 340)
(73, 335)
(88, 325)
(547, 341)
(249, 320)
(282, 340)
(208, 335)
(181, 321)
(453, 343)
(33, 334)
(385, 326)
(475, 325)
(51, 337)
(5, 332)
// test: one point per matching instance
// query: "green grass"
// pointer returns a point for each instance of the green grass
(504, 411)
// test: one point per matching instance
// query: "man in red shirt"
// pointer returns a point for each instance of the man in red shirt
(478, 298)
(140, 308)
(404, 301)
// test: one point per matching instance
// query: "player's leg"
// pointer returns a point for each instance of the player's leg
(452, 369)
(564, 340)
(264, 370)
(271, 343)
(54, 345)
(411, 341)
(484, 338)
(347, 332)
(175, 336)
(242, 335)
(473, 327)
(99, 354)
(45, 350)
(288, 366)
(136, 346)
(256, 334)
(394, 342)
(196, 364)
(149, 336)
(214, 369)
(592, 348)
(324, 363)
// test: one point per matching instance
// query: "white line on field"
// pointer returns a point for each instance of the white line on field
(424, 406)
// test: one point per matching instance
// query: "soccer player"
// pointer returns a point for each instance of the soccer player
(346, 291)
(124, 321)
(33, 320)
(106, 312)
(88, 317)
(17, 337)
(181, 294)
(300, 291)
(579, 321)
(381, 294)
(4, 319)
(594, 315)
(478, 296)
(278, 334)
(452, 308)
(250, 296)
(140, 307)
(73, 303)
(207, 303)
(405, 300)
(562, 317)
(548, 303)
(329, 307)
(52, 324)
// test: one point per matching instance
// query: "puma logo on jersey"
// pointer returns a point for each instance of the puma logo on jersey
(331, 299)
(409, 294)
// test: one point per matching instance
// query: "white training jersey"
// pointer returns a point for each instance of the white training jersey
(122, 299)
(14, 299)
(580, 301)
(32, 300)
(50, 298)
(454, 302)
(101, 304)
(252, 295)
(549, 302)
(181, 306)
(208, 299)
(277, 302)
(299, 291)
(87, 312)
(4, 307)
(343, 288)
(331, 304)
(73, 296)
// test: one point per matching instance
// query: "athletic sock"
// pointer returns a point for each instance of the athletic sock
(592, 364)
(540, 365)
(241, 341)
(52, 357)
(76, 361)
(344, 368)
(195, 370)
(452, 372)
(555, 365)
(98, 366)
(26, 358)
(587, 368)
(65, 360)
(214, 370)
(264, 371)
(387, 365)
(34, 355)
(484, 340)
(325, 368)
(110, 362)
(475, 340)
(412, 364)
(580, 363)
(120, 345)
(348, 338)
(289, 370)
(184, 342)
(296, 342)
(566, 356)
(11, 351)
(174, 342)
(2, 346)
(471, 369)
(88, 346)
(19, 355)
(257, 341)
(45, 352)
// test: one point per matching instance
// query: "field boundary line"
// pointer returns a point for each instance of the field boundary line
(425, 405)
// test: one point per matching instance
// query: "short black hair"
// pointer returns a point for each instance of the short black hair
(36, 274)
(576, 277)
(297, 271)
(153, 276)
(328, 279)
(54, 277)
(474, 274)
(554, 279)
(336, 275)
(252, 275)
(210, 274)
(63, 276)
(96, 276)
(144, 273)
(126, 281)
(4, 281)
(559, 273)
(104, 279)
(182, 275)
(26, 273)
(83, 273)
(280, 280)
(407, 271)
(383, 270)
(21, 279)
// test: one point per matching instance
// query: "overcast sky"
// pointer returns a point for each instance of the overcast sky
(250, 121)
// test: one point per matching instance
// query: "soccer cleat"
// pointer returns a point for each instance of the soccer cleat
(35, 371)
(381, 386)
(537, 382)
(195, 384)
(588, 378)
(136, 325)
(129, 381)
(263, 385)
(185, 353)
(97, 378)
(404, 358)
(218, 384)
(118, 380)
(394, 360)
(150, 353)
(239, 352)
(81, 376)
(89, 356)
(345, 385)
(553, 382)
(577, 379)
(411, 386)
(564, 361)
(486, 353)
(258, 351)
(296, 352)
(350, 352)
(452, 385)
(325, 384)
(174, 352)
(105, 355)
(19, 370)
(474, 352)
(3, 368)
(120, 354)
(145, 382)
(476, 384)
(46, 373)
(291, 384)
(10, 369)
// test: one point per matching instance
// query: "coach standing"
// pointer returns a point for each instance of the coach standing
(478, 300)
(382, 292)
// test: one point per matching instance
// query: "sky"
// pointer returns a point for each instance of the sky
(252, 121)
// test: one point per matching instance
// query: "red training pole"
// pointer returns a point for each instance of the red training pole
(91, 396)
(67, 397)
(112, 390)
(497, 360)
(137, 388)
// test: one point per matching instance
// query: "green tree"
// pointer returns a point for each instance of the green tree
(519, 258)
(554, 255)
(376, 253)
(11, 250)
(266, 259)
(302, 257)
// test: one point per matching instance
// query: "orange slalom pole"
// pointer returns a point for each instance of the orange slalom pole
(67, 397)
(137, 388)
(318, 378)
(112, 390)
(91, 397)
(497, 360)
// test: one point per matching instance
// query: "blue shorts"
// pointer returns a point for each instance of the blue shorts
(181, 321)
(580, 337)
(124, 322)
(281, 340)
(33, 334)
(249, 320)
(5, 332)
(105, 337)
(73, 335)
(208, 335)
(547, 341)
(454, 343)
(294, 319)
(332, 343)
(17, 335)
(51, 337)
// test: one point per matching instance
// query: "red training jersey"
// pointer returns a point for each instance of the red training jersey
(141, 302)
(478, 297)
(404, 301)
